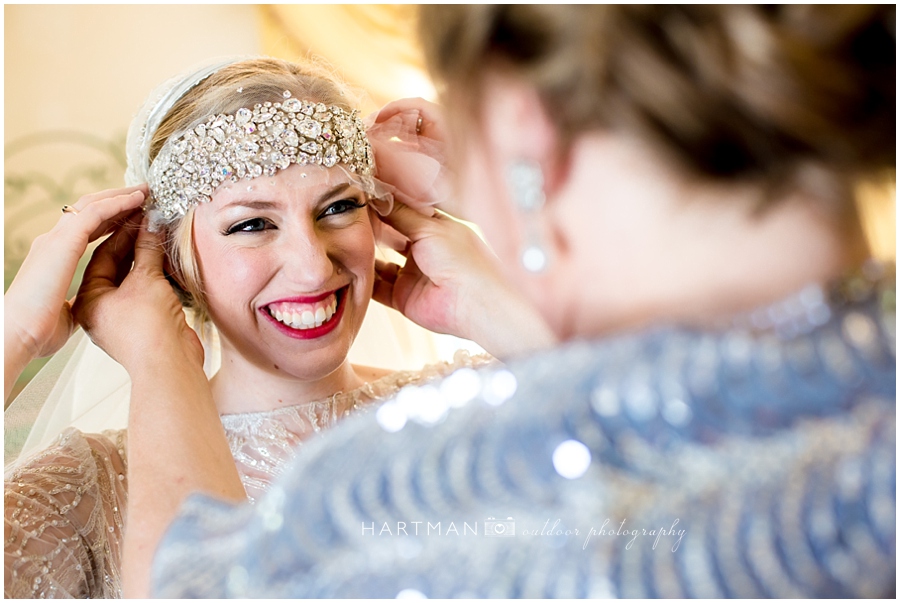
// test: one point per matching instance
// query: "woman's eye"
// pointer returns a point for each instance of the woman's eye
(253, 225)
(343, 206)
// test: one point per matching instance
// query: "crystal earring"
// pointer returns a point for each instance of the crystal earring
(526, 183)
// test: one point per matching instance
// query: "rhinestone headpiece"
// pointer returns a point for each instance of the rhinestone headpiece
(249, 144)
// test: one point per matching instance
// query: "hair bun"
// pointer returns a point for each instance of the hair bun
(731, 92)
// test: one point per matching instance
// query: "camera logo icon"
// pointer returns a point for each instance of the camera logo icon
(495, 527)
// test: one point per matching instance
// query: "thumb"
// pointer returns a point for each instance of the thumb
(149, 250)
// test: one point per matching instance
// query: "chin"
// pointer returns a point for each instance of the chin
(315, 359)
(563, 327)
(313, 365)
(273, 348)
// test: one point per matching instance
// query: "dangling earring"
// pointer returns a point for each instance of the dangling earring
(526, 183)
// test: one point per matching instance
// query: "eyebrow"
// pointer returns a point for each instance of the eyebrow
(263, 204)
(340, 188)
(251, 204)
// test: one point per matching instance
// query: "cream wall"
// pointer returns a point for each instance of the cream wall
(75, 75)
(92, 66)
(375, 46)
(73, 78)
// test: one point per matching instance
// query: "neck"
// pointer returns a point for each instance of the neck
(725, 262)
(674, 252)
(241, 386)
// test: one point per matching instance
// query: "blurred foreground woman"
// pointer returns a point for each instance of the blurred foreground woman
(673, 187)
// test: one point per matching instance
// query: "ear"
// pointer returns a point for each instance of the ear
(517, 126)
(169, 270)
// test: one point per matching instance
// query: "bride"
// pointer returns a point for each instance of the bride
(262, 179)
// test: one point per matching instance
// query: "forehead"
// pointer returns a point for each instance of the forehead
(295, 182)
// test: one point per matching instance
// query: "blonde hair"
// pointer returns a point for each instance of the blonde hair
(241, 84)
(762, 95)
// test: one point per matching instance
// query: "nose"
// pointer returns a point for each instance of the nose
(306, 261)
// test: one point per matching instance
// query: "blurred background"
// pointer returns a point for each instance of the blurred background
(75, 76)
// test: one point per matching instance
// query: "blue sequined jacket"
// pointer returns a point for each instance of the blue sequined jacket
(755, 461)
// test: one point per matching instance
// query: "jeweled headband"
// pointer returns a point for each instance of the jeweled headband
(253, 143)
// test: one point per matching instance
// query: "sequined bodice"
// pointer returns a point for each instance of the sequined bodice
(746, 462)
(64, 507)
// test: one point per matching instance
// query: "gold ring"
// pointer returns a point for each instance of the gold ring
(68, 209)
(419, 126)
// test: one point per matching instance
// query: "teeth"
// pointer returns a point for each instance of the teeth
(307, 317)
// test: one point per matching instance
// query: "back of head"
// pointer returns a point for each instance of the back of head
(765, 95)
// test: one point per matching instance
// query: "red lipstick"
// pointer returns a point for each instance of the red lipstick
(315, 332)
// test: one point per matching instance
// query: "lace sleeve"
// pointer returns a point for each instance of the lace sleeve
(63, 519)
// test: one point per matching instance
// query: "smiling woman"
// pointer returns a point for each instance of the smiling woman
(289, 271)
(263, 186)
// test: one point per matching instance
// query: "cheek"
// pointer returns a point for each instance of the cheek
(226, 272)
(241, 266)
(354, 248)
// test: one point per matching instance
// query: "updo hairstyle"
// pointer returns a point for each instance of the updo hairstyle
(783, 97)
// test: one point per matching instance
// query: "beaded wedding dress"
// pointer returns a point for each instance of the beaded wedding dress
(65, 505)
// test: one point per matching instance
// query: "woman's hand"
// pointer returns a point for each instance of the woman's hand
(432, 124)
(133, 313)
(176, 442)
(452, 283)
(37, 317)
(409, 139)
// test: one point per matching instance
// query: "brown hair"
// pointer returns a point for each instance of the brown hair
(758, 94)
(259, 80)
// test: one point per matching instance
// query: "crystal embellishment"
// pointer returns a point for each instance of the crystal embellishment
(242, 116)
(251, 143)
(310, 128)
(309, 147)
